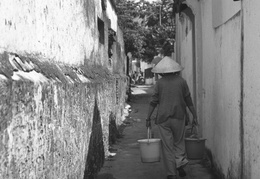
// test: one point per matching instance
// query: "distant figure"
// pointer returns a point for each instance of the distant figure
(172, 95)
(139, 78)
(133, 78)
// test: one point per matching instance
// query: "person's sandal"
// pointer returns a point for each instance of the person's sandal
(181, 171)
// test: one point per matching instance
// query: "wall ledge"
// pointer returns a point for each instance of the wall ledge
(39, 70)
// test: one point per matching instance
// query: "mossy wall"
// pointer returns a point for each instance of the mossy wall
(51, 119)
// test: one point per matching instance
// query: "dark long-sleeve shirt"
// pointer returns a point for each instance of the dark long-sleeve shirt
(172, 95)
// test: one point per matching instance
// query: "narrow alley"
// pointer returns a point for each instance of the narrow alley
(126, 164)
(67, 67)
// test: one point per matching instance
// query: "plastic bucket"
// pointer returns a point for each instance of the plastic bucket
(195, 147)
(150, 150)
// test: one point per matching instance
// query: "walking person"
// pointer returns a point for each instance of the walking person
(172, 96)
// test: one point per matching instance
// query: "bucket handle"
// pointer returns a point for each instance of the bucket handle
(195, 132)
(148, 134)
(192, 130)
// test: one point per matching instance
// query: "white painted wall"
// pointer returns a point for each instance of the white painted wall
(222, 10)
(60, 30)
(251, 87)
(221, 83)
(222, 96)
(185, 55)
(218, 64)
(111, 13)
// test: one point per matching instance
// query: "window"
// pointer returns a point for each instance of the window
(111, 40)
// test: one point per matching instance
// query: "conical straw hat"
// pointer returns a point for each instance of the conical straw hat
(167, 65)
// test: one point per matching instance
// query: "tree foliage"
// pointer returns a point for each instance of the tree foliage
(146, 26)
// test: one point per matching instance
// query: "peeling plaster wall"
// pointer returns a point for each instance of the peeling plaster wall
(251, 88)
(220, 90)
(62, 31)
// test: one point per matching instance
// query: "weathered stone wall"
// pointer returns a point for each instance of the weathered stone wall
(46, 122)
(57, 88)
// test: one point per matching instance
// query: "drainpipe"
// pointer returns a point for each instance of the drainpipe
(242, 152)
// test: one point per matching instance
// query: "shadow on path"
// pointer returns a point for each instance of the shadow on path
(106, 176)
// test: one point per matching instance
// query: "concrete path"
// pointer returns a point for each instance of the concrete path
(126, 164)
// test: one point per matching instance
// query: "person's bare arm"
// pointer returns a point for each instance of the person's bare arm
(153, 103)
(191, 107)
(194, 114)
(150, 112)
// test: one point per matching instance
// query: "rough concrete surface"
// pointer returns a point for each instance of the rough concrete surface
(126, 164)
